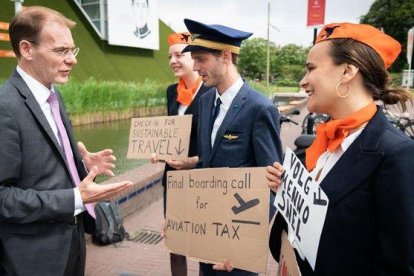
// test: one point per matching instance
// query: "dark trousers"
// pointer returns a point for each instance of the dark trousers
(207, 270)
(77, 254)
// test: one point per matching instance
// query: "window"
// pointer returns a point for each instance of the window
(95, 12)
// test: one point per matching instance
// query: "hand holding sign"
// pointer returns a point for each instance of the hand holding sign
(303, 204)
(226, 266)
(185, 164)
(274, 176)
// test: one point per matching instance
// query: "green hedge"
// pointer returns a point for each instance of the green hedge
(272, 88)
(94, 96)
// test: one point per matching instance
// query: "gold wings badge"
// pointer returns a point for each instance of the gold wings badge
(230, 137)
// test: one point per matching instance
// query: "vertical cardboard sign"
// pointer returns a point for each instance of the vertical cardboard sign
(288, 265)
(167, 136)
(303, 204)
(217, 214)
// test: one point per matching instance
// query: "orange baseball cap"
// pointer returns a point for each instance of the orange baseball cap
(179, 38)
(386, 46)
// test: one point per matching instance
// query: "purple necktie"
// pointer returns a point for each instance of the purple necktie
(64, 140)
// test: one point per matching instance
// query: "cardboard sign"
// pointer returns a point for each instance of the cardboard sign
(217, 214)
(167, 136)
(288, 265)
(303, 204)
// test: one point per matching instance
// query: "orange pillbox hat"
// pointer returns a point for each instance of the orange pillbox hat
(386, 46)
(179, 38)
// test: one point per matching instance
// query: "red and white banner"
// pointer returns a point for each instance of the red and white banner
(316, 13)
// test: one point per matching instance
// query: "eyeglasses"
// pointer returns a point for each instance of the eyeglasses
(62, 52)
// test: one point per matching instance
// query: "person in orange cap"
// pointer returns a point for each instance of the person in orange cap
(364, 165)
(182, 98)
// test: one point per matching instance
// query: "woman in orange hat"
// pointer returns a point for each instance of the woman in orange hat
(364, 165)
(182, 98)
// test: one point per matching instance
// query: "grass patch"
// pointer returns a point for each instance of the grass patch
(271, 89)
(95, 96)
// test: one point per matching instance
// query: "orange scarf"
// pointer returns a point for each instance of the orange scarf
(185, 95)
(331, 134)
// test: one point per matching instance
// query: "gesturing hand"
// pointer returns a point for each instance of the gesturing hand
(103, 160)
(92, 192)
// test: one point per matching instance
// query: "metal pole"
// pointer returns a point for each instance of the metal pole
(17, 5)
(268, 48)
(102, 17)
(409, 54)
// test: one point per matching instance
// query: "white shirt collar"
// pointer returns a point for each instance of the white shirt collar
(346, 143)
(39, 91)
(328, 159)
(228, 95)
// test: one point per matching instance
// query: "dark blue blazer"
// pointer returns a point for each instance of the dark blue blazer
(172, 109)
(369, 226)
(253, 119)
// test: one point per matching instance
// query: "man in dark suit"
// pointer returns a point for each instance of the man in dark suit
(238, 127)
(45, 207)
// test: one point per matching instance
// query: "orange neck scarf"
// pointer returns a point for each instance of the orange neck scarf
(331, 134)
(185, 95)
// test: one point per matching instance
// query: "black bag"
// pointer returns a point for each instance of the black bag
(109, 227)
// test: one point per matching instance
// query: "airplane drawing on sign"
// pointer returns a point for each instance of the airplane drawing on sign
(244, 205)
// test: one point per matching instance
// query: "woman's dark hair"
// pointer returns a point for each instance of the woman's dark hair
(375, 76)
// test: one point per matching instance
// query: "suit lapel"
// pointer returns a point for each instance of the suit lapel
(34, 107)
(192, 108)
(362, 157)
(174, 105)
(234, 109)
(205, 125)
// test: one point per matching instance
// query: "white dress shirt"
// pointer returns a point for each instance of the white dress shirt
(226, 98)
(41, 94)
(328, 159)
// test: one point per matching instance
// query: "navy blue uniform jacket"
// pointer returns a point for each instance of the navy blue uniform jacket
(172, 109)
(369, 226)
(253, 119)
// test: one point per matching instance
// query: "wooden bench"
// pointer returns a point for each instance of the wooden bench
(5, 37)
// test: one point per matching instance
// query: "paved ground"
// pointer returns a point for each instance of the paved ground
(135, 258)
